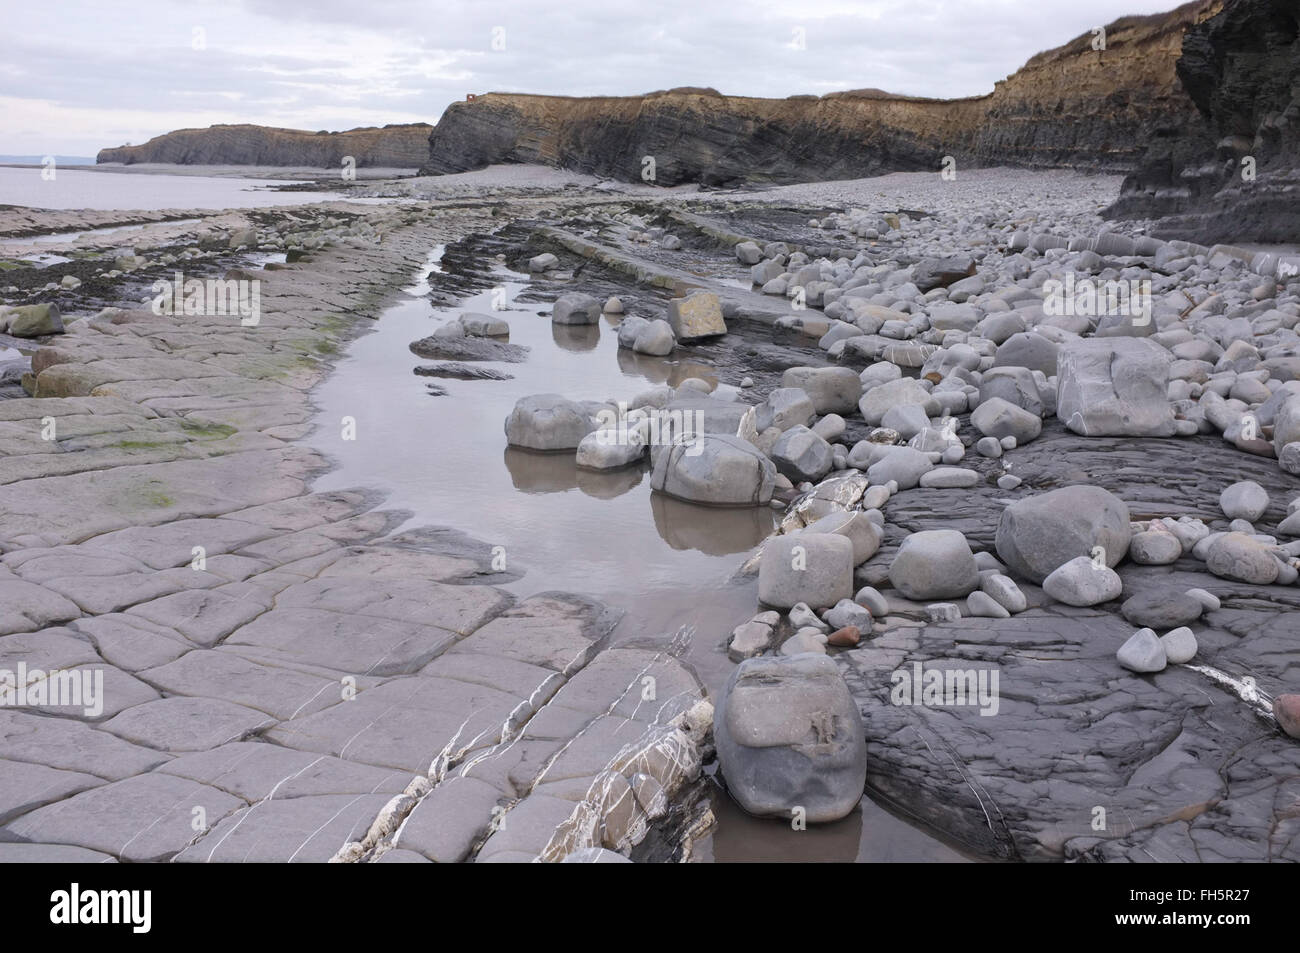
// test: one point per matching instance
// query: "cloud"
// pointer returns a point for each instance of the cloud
(94, 76)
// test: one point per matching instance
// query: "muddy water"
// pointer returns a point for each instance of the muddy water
(669, 565)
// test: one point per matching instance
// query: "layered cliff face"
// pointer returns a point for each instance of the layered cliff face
(396, 147)
(1236, 177)
(1073, 106)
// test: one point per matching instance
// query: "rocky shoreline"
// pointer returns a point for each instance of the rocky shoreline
(969, 476)
(274, 660)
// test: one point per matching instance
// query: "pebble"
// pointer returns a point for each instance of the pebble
(847, 637)
(1143, 653)
(1286, 709)
(1180, 645)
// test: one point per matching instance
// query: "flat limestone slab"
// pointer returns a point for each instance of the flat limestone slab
(187, 724)
(255, 770)
(145, 818)
(307, 829)
(25, 786)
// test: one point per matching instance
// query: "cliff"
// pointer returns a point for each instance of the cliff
(1235, 176)
(1068, 107)
(397, 147)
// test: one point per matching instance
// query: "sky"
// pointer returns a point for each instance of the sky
(77, 76)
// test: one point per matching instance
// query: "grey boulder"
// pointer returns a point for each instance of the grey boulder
(548, 422)
(814, 568)
(1039, 533)
(714, 468)
(575, 308)
(934, 564)
(790, 739)
(1114, 387)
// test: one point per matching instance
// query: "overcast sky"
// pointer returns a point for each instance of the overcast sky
(76, 77)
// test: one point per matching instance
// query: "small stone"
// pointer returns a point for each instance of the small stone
(1008, 482)
(846, 637)
(949, 478)
(1081, 582)
(1240, 557)
(1142, 653)
(848, 613)
(985, 606)
(943, 612)
(613, 306)
(1180, 645)
(1004, 590)
(1245, 500)
(1208, 599)
(873, 600)
(934, 564)
(1286, 709)
(1161, 609)
(802, 617)
(1156, 548)
(803, 641)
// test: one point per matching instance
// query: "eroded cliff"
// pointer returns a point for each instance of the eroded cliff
(1074, 106)
(1235, 176)
(398, 147)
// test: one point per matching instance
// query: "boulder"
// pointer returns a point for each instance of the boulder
(655, 339)
(35, 320)
(784, 408)
(1155, 548)
(1240, 557)
(1039, 533)
(860, 530)
(1162, 609)
(1028, 350)
(1004, 591)
(1143, 653)
(900, 464)
(931, 273)
(629, 328)
(790, 739)
(934, 564)
(832, 390)
(698, 315)
(1081, 582)
(548, 422)
(1000, 418)
(575, 308)
(903, 390)
(717, 469)
(1180, 645)
(1114, 387)
(610, 449)
(816, 569)
(484, 325)
(801, 455)
(1244, 500)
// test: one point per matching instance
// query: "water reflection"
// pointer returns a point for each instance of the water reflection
(717, 531)
(534, 472)
(741, 838)
(576, 337)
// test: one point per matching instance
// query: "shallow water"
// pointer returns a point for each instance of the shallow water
(73, 189)
(445, 458)
(668, 564)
